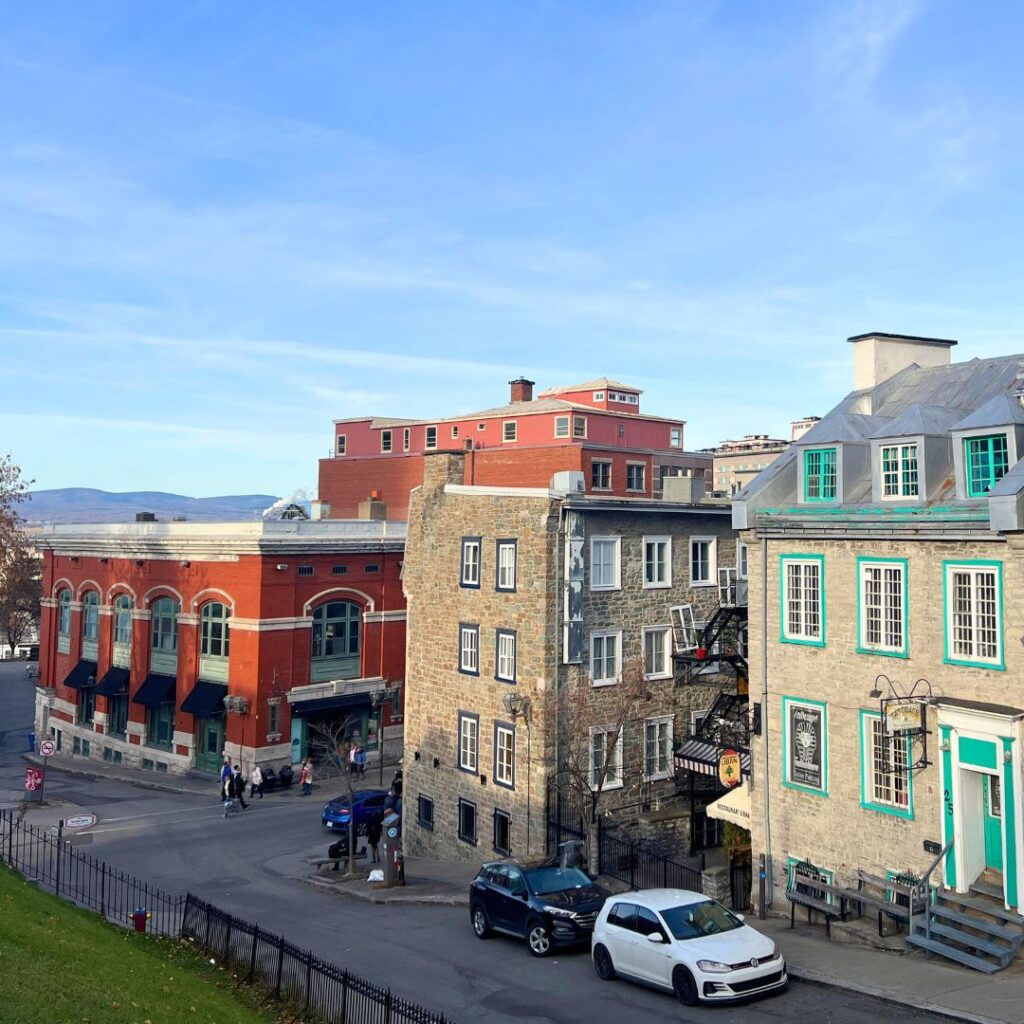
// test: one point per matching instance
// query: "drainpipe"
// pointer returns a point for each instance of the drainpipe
(764, 723)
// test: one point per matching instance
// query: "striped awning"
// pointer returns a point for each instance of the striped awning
(702, 757)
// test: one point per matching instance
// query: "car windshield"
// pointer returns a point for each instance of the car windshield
(544, 880)
(693, 920)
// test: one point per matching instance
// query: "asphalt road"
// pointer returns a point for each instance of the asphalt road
(426, 953)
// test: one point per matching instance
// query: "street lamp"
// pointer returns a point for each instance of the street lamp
(238, 706)
(377, 700)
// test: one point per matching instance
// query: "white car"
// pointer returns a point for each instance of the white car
(685, 943)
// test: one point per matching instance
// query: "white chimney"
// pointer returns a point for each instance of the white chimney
(878, 356)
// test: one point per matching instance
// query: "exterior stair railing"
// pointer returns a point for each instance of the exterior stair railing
(923, 894)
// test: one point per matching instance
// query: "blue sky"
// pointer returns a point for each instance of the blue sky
(224, 225)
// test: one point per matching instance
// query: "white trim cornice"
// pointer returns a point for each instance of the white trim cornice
(270, 625)
(396, 615)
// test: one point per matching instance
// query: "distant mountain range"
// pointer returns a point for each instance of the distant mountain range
(87, 505)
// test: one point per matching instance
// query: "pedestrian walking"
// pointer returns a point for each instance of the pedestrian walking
(228, 794)
(373, 833)
(306, 777)
(256, 783)
(238, 787)
(360, 761)
(353, 764)
(225, 774)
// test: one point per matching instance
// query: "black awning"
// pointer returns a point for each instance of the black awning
(702, 757)
(113, 683)
(155, 690)
(205, 699)
(83, 674)
(343, 700)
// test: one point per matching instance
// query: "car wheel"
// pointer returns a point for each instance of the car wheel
(481, 924)
(603, 963)
(684, 987)
(538, 938)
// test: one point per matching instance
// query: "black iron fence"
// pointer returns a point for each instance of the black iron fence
(48, 858)
(325, 992)
(644, 869)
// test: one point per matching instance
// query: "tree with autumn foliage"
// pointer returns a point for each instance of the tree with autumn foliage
(19, 566)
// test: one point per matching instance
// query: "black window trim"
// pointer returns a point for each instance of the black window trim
(458, 828)
(475, 627)
(463, 714)
(504, 851)
(420, 820)
(498, 634)
(510, 727)
(479, 562)
(498, 544)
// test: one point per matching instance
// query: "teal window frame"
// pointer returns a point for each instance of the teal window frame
(949, 566)
(826, 458)
(802, 787)
(997, 463)
(784, 636)
(864, 561)
(867, 753)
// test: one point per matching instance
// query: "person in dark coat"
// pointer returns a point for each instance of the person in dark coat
(238, 787)
(373, 833)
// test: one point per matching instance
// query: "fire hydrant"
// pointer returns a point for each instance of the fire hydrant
(140, 915)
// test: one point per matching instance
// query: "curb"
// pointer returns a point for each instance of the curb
(813, 977)
(99, 776)
(382, 898)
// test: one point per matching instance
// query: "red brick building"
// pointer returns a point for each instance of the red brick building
(169, 645)
(595, 428)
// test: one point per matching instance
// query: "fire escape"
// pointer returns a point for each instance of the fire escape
(708, 650)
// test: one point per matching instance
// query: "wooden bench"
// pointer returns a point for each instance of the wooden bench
(884, 896)
(806, 886)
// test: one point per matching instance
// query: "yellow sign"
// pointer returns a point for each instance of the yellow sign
(903, 716)
(729, 768)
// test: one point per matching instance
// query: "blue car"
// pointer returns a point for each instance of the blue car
(338, 813)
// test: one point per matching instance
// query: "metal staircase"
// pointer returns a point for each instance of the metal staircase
(974, 930)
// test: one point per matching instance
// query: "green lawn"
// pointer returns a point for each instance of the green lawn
(62, 965)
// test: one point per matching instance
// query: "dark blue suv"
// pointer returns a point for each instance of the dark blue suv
(547, 906)
(338, 813)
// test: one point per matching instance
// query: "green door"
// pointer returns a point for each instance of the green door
(210, 744)
(993, 823)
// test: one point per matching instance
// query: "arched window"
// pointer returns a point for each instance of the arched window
(91, 616)
(122, 654)
(214, 641)
(64, 613)
(336, 634)
(164, 636)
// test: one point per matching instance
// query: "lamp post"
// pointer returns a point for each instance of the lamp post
(238, 706)
(377, 700)
(515, 705)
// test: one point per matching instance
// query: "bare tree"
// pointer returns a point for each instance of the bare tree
(20, 590)
(328, 746)
(589, 764)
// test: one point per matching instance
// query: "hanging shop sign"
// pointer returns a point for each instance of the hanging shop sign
(903, 716)
(806, 741)
(729, 768)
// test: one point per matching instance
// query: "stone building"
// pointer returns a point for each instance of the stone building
(516, 599)
(886, 585)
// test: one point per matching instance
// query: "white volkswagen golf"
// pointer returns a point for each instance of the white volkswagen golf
(684, 943)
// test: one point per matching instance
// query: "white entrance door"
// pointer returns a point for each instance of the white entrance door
(971, 840)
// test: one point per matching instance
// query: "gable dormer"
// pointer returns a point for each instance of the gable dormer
(986, 444)
(911, 456)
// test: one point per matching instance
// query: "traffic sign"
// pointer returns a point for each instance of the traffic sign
(80, 821)
(33, 779)
(47, 748)
(392, 833)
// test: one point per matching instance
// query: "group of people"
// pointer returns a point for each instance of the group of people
(232, 786)
(357, 760)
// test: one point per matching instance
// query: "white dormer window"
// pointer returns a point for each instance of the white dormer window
(509, 430)
(598, 396)
(899, 471)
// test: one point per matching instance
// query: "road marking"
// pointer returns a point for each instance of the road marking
(189, 816)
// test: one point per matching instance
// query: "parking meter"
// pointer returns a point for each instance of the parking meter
(391, 833)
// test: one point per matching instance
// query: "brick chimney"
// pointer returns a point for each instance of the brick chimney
(522, 390)
(373, 508)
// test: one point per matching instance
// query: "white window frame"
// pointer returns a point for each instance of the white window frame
(508, 556)
(613, 775)
(601, 462)
(712, 543)
(803, 634)
(891, 617)
(455, 431)
(675, 437)
(598, 396)
(500, 777)
(342, 444)
(468, 575)
(560, 422)
(614, 582)
(877, 781)
(406, 438)
(505, 424)
(469, 649)
(579, 426)
(386, 436)
(902, 492)
(696, 717)
(469, 743)
(742, 560)
(426, 438)
(616, 677)
(667, 771)
(651, 582)
(665, 632)
(642, 466)
(971, 655)
(505, 656)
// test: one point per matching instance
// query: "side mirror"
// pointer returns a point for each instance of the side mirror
(739, 917)
(656, 938)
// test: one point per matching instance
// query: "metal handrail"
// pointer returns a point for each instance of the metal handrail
(923, 890)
